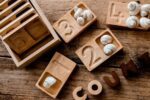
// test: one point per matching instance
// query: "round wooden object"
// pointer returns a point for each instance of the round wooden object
(94, 87)
(76, 96)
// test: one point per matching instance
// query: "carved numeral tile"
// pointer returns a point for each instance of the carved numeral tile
(20, 41)
(92, 54)
(67, 26)
(117, 14)
(60, 68)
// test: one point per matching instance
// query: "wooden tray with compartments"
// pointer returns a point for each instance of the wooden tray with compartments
(118, 13)
(92, 54)
(25, 30)
(60, 68)
(72, 28)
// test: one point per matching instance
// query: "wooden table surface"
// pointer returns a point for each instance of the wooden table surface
(19, 83)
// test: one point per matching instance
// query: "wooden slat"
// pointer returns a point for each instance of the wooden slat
(8, 10)
(20, 26)
(12, 16)
(16, 22)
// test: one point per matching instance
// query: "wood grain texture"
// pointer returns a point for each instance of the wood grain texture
(19, 83)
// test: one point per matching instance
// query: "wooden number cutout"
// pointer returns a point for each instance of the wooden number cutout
(116, 81)
(76, 92)
(89, 53)
(129, 69)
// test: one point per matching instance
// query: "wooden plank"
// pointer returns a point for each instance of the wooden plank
(19, 83)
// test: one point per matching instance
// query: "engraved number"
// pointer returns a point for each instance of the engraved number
(89, 53)
(66, 27)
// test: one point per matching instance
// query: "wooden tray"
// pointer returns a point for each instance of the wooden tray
(60, 67)
(70, 21)
(92, 54)
(117, 14)
(27, 33)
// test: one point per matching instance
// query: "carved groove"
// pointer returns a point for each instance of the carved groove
(64, 25)
(90, 49)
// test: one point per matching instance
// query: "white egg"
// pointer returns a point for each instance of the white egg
(80, 21)
(49, 81)
(106, 39)
(109, 49)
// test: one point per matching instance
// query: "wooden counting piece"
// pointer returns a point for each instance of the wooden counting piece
(55, 75)
(116, 81)
(144, 59)
(76, 94)
(129, 69)
(26, 32)
(126, 15)
(74, 22)
(95, 87)
(101, 48)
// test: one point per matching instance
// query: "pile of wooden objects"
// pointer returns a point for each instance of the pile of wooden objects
(27, 34)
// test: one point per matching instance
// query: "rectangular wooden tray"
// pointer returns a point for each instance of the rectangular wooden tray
(92, 54)
(60, 67)
(118, 13)
(73, 28)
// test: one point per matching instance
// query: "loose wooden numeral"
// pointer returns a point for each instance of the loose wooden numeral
(109, 82)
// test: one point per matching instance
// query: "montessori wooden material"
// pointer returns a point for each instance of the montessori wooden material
(60, 68)
(25, 31)
(76, 92)
(68, 28)
(95, 87)
(129, 69)
(92, 54)
(116, 80)
(118, 13)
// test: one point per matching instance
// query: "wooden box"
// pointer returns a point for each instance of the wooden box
(92, 54)
(73, 28)
(60, 67)
(25, 31)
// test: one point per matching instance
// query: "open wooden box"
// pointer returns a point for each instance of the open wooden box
(25, 30)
